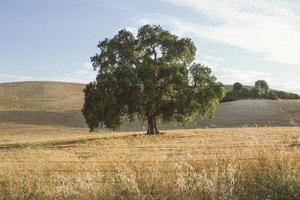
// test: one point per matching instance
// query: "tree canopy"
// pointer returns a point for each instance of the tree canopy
(262, 85)
(237, 86)
(150, 76)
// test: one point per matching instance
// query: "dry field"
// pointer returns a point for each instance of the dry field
(56, 103)
(41, 162)
(41, 96)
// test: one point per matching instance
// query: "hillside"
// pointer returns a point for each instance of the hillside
(57, 103)
(50, 103)
(41, 96)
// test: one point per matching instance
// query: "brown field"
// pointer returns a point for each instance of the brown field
(44, 103)
(59, 104)
(41, 96)
(71, 163)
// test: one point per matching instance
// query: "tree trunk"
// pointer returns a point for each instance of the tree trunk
(152, 129)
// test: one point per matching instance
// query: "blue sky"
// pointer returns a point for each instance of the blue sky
(241, 40)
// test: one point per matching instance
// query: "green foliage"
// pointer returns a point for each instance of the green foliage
(262, 85)
(245, 93)
(286, 95)
(152, 75)
(270, 184)
(257, 92)
(260, 91)
(272, 95)
(237, 86)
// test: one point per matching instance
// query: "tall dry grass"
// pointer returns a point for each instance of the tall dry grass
(261, 178)
(193, 164)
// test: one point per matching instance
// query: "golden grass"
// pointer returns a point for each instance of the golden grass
(41, 96)
(40, 162)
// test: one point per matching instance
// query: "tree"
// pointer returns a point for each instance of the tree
(257, 92)
(151, 76)
(272, 95)
(263, 85)
(237, 86)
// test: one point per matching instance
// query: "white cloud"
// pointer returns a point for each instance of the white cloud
(269, 28)
(132, 29)
(228, 76)
(84, 74)
(210, 61)
(4, 78)
(212, 58)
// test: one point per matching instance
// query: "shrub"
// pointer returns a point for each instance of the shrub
(286, 95)
(273, 185)
(272, 95)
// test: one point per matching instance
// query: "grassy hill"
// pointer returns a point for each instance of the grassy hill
(41, 96)
(49, 103)
(57, 103)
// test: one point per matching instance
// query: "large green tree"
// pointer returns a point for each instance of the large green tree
(148, 76)
(262, 85)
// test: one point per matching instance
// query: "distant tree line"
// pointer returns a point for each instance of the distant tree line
(260, 90)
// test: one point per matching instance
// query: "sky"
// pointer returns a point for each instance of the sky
(241, 40)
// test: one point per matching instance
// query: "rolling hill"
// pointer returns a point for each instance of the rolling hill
(58, 103)
(48, 103)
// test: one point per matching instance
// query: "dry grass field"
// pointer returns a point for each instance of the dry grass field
(59, 104)
(44, 103)
(41, 96)
(43, 162)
